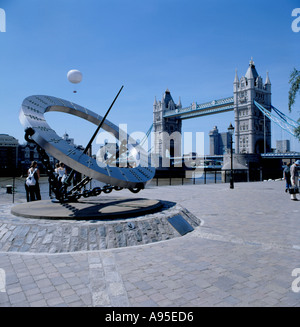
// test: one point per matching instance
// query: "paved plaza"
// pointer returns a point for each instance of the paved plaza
(242, 254)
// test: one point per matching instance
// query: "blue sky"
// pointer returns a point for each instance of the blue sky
(191, 47)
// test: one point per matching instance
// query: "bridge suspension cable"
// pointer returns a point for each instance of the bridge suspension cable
(282, 120)
(145, 138)
(286, 118)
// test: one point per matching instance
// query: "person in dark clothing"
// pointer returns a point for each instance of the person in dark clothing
(76, 178)
(287, 176)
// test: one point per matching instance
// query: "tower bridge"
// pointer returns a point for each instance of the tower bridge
(252, 107)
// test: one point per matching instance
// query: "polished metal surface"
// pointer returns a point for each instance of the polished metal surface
(32, 115)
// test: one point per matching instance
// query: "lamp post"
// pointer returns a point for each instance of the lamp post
(230, 131)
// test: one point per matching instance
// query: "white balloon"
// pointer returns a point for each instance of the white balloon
(74, 76)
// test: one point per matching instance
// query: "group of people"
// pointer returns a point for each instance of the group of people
(32, 186)
(291, 176)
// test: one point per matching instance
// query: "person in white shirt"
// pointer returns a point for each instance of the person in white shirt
(32, 186)
(62, 172)
(295, 178)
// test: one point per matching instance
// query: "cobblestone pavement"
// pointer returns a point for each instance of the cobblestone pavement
(243, 254)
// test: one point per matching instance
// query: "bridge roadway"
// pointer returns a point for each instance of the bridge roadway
(242, 254)
(284, 156)
(204, 109)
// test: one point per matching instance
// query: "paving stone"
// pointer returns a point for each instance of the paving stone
(242, 255)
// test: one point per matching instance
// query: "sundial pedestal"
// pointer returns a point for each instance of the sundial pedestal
(94, 208)
(102, 222)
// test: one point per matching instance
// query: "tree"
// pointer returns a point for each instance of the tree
(294, 90)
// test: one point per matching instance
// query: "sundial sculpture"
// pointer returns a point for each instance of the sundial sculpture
(48, 142)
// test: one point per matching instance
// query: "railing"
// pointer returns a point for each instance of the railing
(15, 185)
(211, 176)
(191, 178)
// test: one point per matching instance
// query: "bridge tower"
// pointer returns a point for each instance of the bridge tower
(167, 131)
(252, 128)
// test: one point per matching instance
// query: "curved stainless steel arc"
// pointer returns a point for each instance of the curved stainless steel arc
(32, 115)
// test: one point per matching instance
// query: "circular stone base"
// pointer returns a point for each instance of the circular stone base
(94, 224)
(89, 209)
